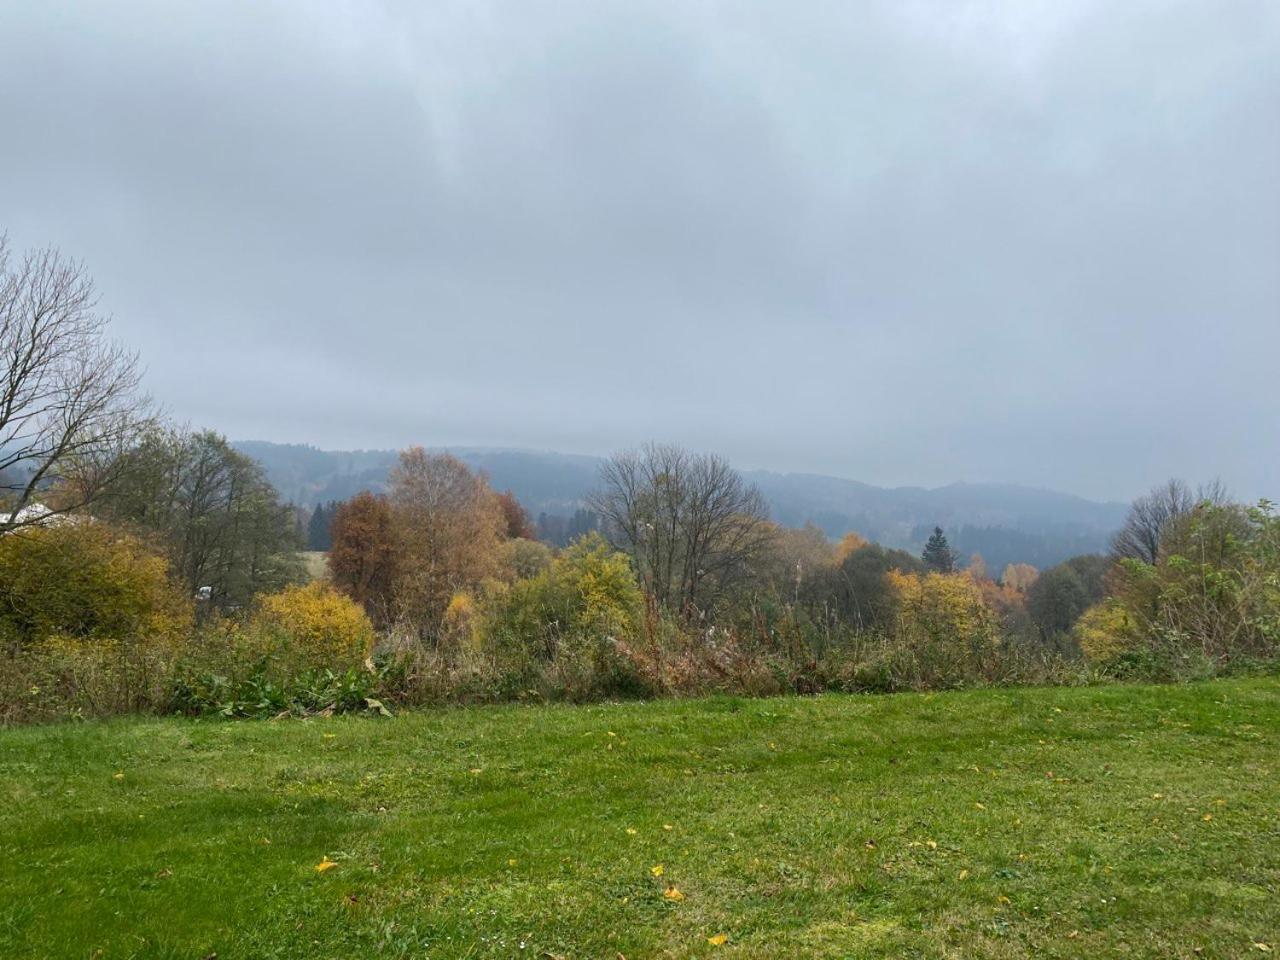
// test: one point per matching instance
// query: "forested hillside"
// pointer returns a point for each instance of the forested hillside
(1004, 523)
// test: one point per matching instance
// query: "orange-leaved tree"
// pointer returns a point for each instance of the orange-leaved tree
(364, 558)
(516, 518)
(450, 529)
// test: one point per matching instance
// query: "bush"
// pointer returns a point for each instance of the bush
(304, 650)
(1211, 598)
(310, 628)
(86, 581)
(259, 694)
(945, 633)
(589, 591)
(90, 623)
(1106, 632)
(569, 620)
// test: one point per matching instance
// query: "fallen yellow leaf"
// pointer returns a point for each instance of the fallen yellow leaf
(667, 826)
(719, 940)
(325, 864)
(964, 874)
(931, 844)
(656, 870)
(631, 831)
(117, 776)
(1207, 817)
(673, 894)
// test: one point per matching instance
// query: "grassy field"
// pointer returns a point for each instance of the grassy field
(316, 564)
(1118, 821)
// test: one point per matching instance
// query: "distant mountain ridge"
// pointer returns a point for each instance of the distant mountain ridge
(1005, 523)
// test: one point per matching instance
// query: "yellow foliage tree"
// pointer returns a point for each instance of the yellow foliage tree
(945, 625)
(1019, 576)
(851, 542)
(450, 527)
(977, 567)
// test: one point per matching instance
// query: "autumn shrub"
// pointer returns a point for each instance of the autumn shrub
(944, 634)
(312, 627)
(301, 651)
(1106, 632)
(90, 582)
(89, 620)
(568, 625)
(1211, 599)
(459, 623)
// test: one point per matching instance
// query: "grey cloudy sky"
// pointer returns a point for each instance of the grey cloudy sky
(900, 241)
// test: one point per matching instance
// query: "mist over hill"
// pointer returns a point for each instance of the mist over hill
(1004, 523)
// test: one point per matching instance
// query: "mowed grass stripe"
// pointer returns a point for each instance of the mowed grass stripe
(1112, 821)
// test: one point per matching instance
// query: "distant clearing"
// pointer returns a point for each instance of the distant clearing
(316, 565)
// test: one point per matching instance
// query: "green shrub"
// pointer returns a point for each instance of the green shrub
(260, 694)
(1212, 598)
(567, 622)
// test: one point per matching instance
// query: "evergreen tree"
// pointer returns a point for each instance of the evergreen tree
(580, 524)
(938, 555)
(319, 534)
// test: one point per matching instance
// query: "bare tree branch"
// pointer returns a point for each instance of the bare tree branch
(69, 397)
(692, 526)
(1152, 516)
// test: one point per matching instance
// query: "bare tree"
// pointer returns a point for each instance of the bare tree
(1153, 515)
(691, 524)
(69, 400)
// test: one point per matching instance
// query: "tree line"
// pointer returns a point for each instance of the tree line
(168, 564)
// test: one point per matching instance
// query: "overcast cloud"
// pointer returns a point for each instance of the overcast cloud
(904, 242)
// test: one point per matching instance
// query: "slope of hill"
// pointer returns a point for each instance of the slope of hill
(544, 482)
(1005, 523)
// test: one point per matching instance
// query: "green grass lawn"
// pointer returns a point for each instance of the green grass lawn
(1116, 821)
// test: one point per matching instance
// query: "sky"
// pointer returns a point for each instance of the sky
(904, 242)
